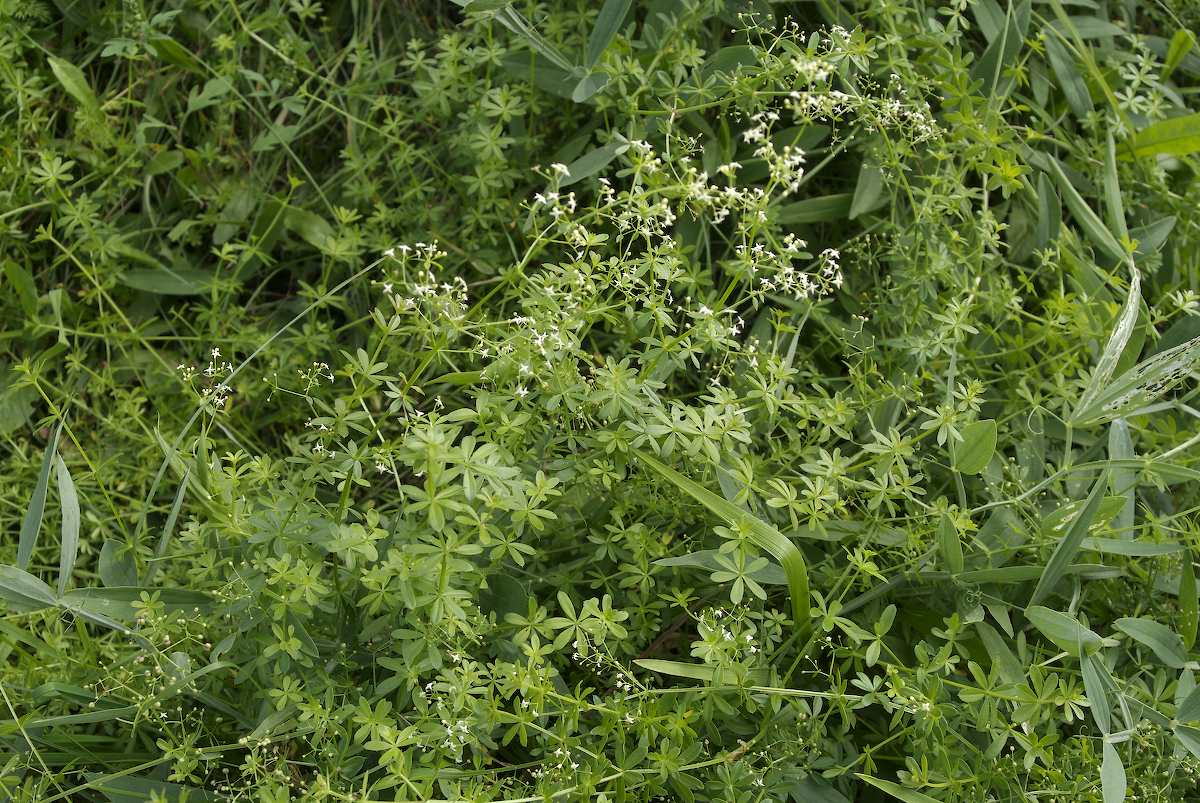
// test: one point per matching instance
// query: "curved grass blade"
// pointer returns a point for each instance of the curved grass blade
(762, 533)
(896, 790)
(69, 500)
(1068, 545)
(168, 529)
(709, 674)
(1107, 363)
(1140, 385)
(32, 522)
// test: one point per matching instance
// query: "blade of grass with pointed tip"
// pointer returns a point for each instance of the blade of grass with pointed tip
(710, 674)
(1107, 363)
(1068, 545)
(1091, 224)
(1114, 209)
(761, 533)
(32, 523)
(1124, 481)
(608, 22)
(168, 529)
(69, 500)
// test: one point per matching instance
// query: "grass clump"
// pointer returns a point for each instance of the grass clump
(670, 399)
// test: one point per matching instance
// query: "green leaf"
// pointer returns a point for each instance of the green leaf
(1068, 545)
(706, 559)
(1010, 667)
(166, 281)
(1189, 709)
(23, 591)
(74, 81)
(123, 788)
(1140, 385)
(174, 53)
(868, 192)
(1002, 53)
(116, 565)
(1181, 44)
(163, 162)
(1189, 605)
(1132, 549)
(815, 210)
(761, 533)
(608, 23)
(1112, 775)
(311, 227)
(896, 790)
(1096, 690)
(704, 672)
(1123, 481)
(117, 602)
(21, 280)
(1113, 207)
(1063, 630)
(1178, 136)
(168, 528)
(1162, 640)
(972, 454)
(31, 524)
(592, 162)
(1114, 347)
(69, 500)
(1189, 738)
(1068, 74)
(950, 545)
(589, 85)
(1092, 226)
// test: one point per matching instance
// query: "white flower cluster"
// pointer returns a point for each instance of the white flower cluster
(214, 392)
(417, 287)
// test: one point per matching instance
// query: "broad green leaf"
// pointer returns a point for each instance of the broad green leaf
(1189, 605)
(123, 788)
(31, 524)
(761, 533)
(1133, 549)
(1181, 44)
(589, 85)
(1189, 710)
(705, 672)
(868, 192)
(21, 281)
(1063, 630)
(971, 455)
(1096, 690)
(99, 715)
(1068, 545)
(23, 591)
(1122, 480)
(1010, 668)
(69, 501)
(163, 162)
(311, 227)
(1190, 738)
(74, 81)
(116, 565)
(1177, 136)
(1023, 574)
(1112, 775)
(1092, 226)
(593, 162)
(897, 791)
(167, 281)
(1140, 385)
(172, 52)
(608, 23)
(1069, 76)
(1162, 640)
(118, 602)
(950, 545)
(815, 210)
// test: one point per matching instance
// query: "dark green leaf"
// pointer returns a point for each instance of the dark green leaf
(608, 23)
(70, 525)
(31, 524)
(1068, 545)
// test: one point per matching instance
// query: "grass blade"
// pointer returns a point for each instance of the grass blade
(32, 523)
(896, 790)
(1107, 364)
(1189, 605)
(168, 529)
(608, 23)
(1124, 480)
(69, 500)
(1091, 224)
(1162, 640)
(1068, 545)
(1178, 136)
(762, 533)
(705, 672)
(1140, 385)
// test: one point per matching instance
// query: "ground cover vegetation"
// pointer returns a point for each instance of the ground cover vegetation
(627, 400)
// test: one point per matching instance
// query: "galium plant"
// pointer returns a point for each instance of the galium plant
(676, 399)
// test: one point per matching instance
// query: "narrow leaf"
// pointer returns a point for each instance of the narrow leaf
(1189, 710)
(608, 23)
(705, 672)
(1092, 226)
(32, 523)
(1162, 640)
(23, 591)
(1063, 630)
(1178, 136)
(950, 545)
(1107, 363)
(1068, 545)
(1122, 480)
(1189, 605)
(592, 162)
(1112, 775)
(74, 81)
(896, 790)
(69, 500)
(761, 533)
(116, 565)
(1140, 385)
(168, 529)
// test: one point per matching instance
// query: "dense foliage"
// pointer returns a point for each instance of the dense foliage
(670, 399)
